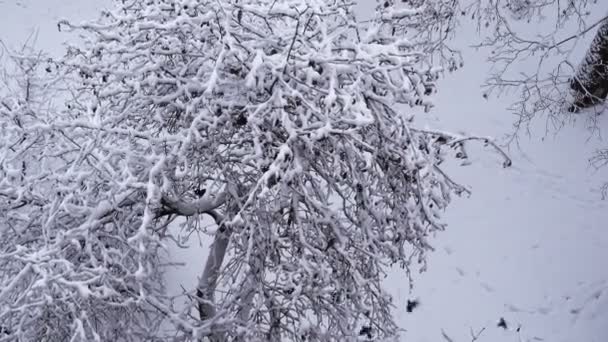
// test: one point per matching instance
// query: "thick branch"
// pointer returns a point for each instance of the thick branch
(208, 281)
(183, 208)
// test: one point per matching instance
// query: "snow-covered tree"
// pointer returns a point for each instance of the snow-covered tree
(289, 123)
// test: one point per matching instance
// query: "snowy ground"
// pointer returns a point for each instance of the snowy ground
(529, 245)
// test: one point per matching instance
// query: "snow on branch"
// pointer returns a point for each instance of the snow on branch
(190, 208)
(289, 122)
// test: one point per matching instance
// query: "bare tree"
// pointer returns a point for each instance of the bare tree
(287, 122)
(546, 32)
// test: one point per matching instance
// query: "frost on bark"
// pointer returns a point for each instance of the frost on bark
(590, 85)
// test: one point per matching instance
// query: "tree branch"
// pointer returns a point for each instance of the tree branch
(183, 208)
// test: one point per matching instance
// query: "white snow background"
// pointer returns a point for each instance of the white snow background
(529, 245)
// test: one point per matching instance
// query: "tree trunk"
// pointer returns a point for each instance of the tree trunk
(590, 84)
(208, 280)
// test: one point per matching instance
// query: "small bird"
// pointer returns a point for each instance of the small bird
(366, 330)
(502, 323)
(411, 305)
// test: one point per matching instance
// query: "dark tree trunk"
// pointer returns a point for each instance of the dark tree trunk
(590, 84)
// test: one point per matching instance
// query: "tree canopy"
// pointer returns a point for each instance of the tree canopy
(289, 123)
